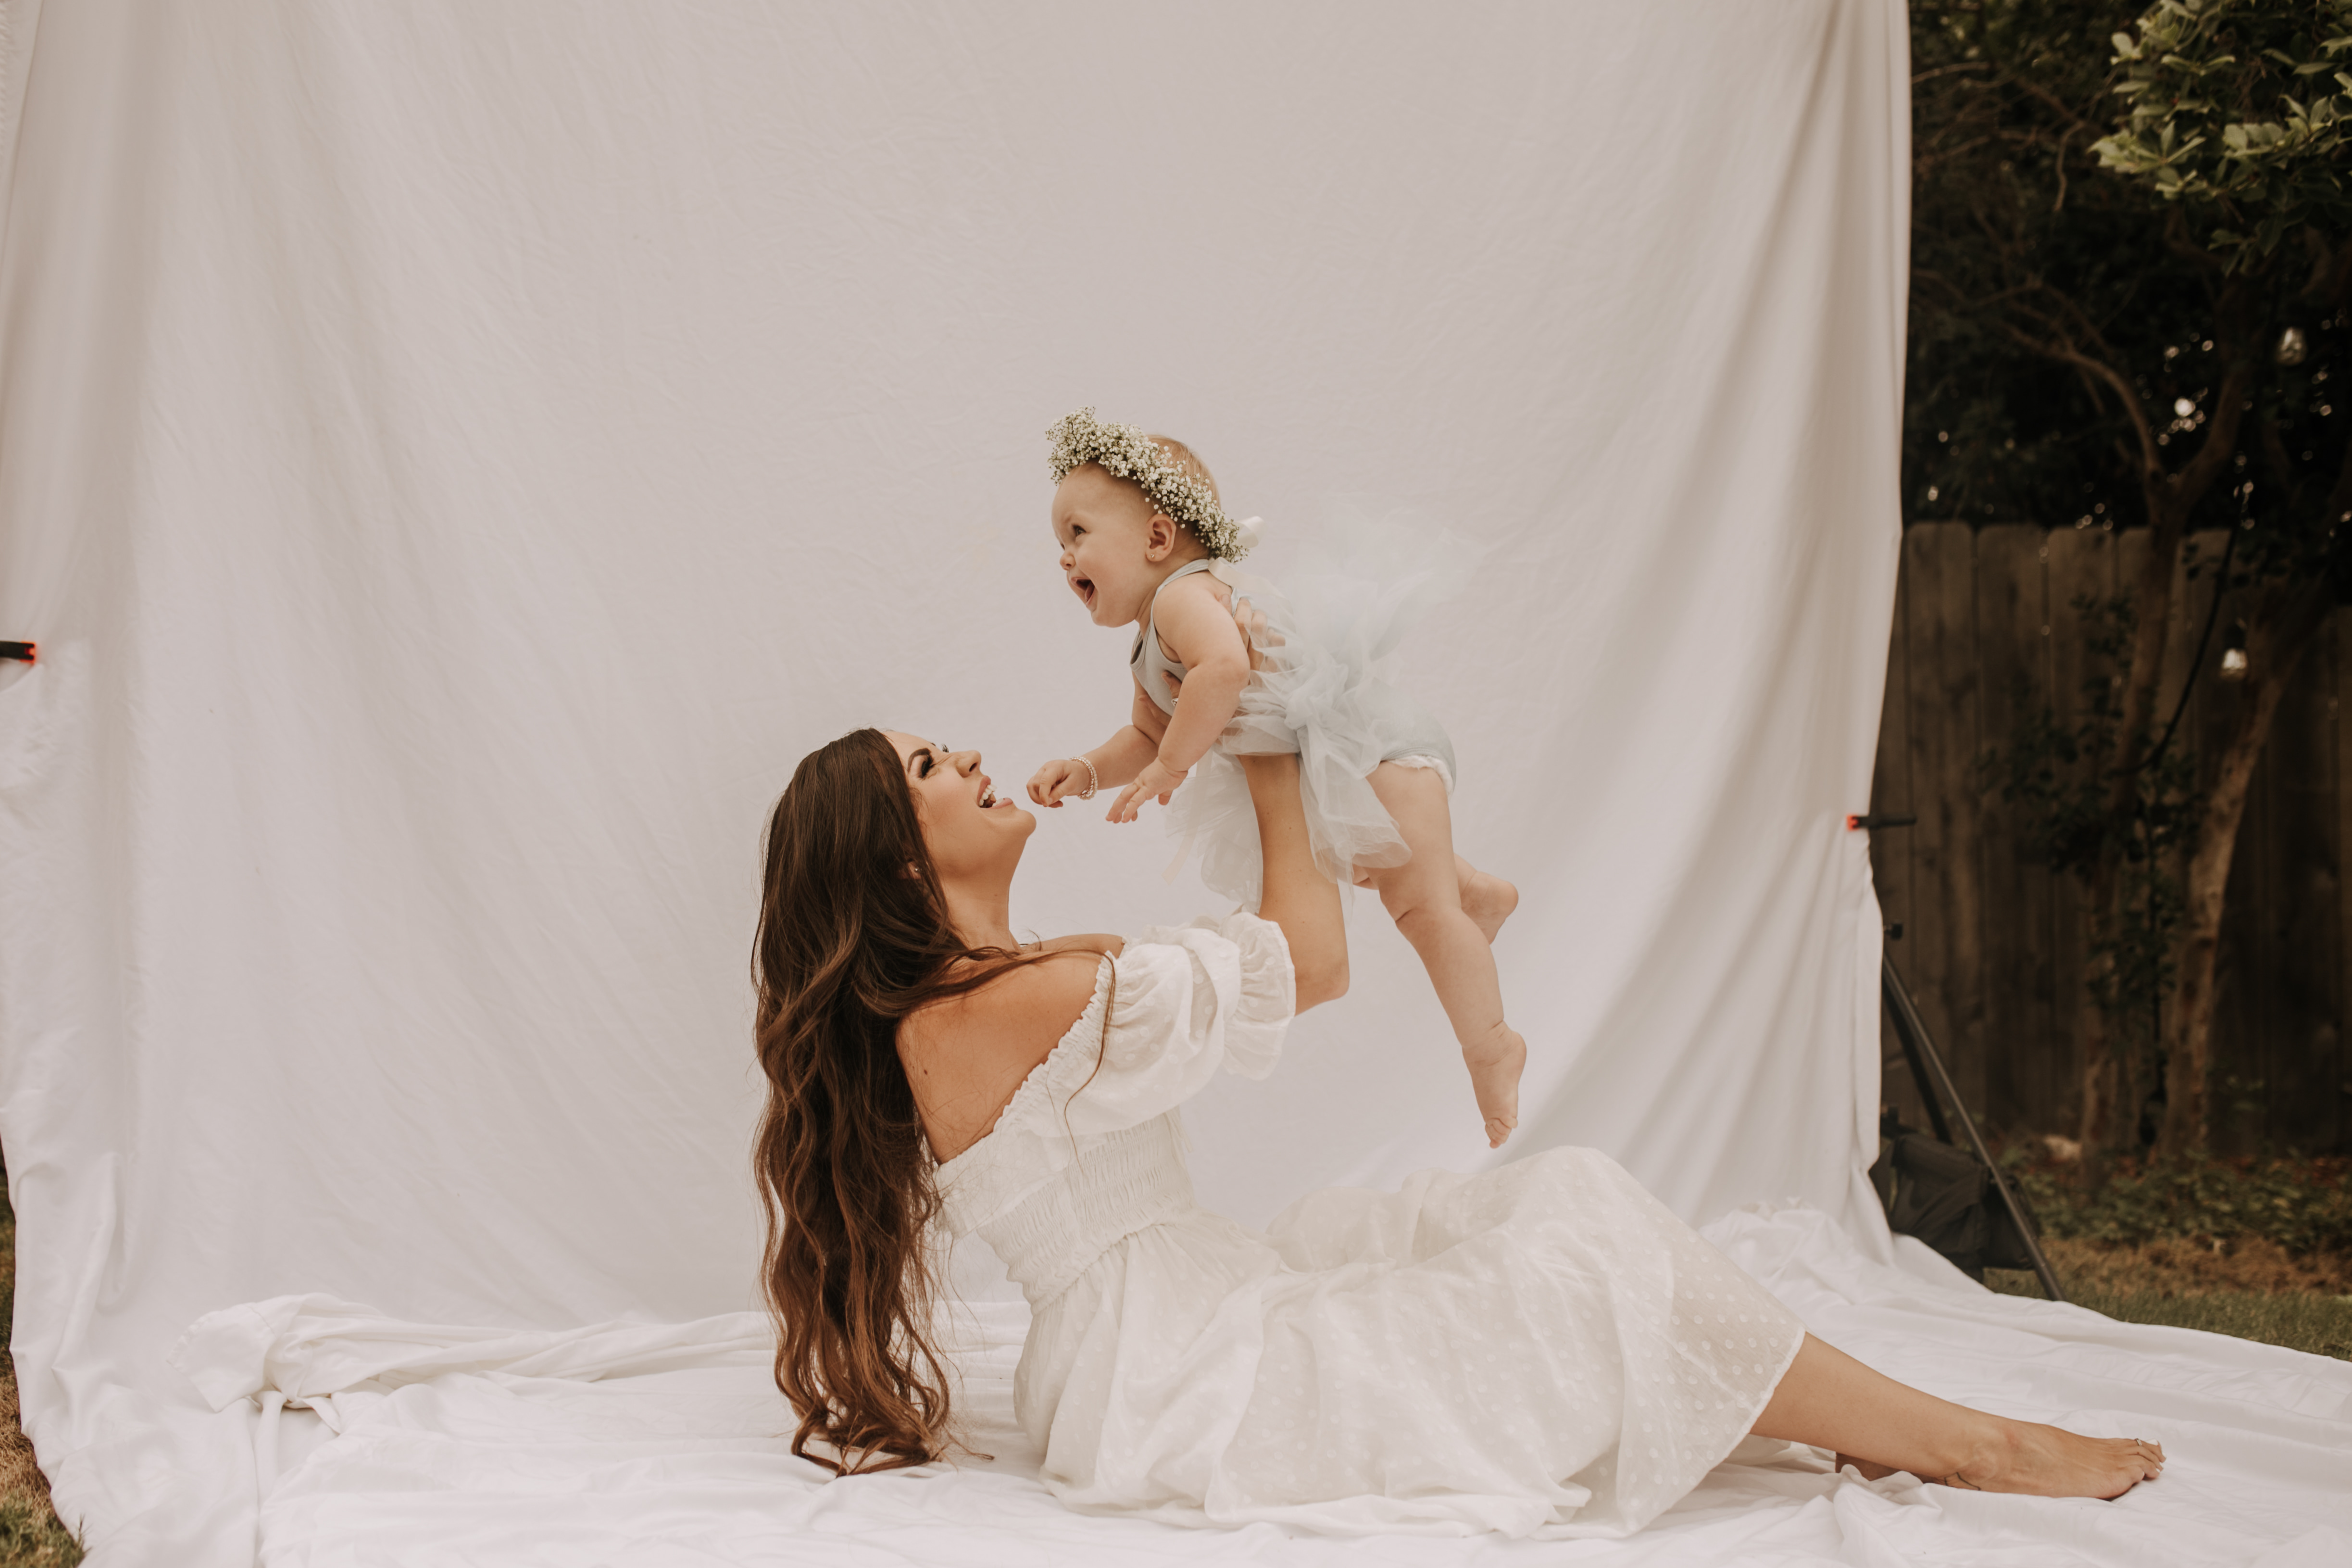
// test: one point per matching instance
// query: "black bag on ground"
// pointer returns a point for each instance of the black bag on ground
(1945, 1196)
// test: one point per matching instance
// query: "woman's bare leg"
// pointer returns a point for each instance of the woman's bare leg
(1424, 896)
(1829, 1400)
(1298, 897)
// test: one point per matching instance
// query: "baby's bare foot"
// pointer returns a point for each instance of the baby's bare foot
(2044, 1461)
(1488, 902)
(1495, 1061)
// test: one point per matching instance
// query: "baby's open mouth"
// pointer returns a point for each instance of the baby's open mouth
(1085, 586)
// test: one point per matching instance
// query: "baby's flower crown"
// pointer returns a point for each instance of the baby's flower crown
(1125, 452)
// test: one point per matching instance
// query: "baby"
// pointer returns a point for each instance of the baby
(1144, 541)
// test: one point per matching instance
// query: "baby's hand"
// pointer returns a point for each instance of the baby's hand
(1154, 781)
(1063, 775)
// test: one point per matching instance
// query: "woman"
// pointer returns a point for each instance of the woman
(1540, 1349)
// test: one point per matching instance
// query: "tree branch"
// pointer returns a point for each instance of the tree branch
(2151, 456)
(2339, 279)
(2064, 110)
(1923, 275)
(2084, 325)
(2176, 240)
(2221, 443)
(2286, 614)
(2323, 266)
(2338, 508)
(2096, 393)
(2274, 453)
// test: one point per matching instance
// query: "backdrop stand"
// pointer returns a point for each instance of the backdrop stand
(1935, 1084)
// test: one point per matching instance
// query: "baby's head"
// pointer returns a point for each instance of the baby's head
(1128, 508)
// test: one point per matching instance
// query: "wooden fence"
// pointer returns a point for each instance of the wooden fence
(1993, 945)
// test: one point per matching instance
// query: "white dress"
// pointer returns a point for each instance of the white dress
(1541, 1350)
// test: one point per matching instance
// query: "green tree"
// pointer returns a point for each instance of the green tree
(2132, 306)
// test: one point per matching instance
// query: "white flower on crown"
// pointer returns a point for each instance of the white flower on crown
(1126, 452)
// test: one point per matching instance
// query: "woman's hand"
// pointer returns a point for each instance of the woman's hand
(1250, 621)
(1156, 781)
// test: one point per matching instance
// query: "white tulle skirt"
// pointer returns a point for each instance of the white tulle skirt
(1320, 694)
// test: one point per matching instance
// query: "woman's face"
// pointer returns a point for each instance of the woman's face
(970, 829)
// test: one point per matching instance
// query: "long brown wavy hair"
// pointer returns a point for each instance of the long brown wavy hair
(854, 936)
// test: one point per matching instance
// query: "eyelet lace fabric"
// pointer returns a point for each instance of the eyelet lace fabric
(1540, 1350)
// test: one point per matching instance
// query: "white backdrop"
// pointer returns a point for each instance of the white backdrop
(457, 456)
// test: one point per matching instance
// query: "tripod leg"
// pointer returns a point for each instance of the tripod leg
(1920, 1051)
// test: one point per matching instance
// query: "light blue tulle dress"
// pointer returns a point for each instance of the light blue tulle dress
(1319, 692)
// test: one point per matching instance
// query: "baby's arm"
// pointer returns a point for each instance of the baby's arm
(1116, 760)
(1195, 621)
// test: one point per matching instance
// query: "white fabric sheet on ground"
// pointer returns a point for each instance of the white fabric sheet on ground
(662, 1447)
(455, 457)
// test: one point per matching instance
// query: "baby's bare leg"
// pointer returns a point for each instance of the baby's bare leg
(1424, 896)
(1831, 1401)
(1486, 898)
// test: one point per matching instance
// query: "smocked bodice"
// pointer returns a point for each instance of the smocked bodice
(1089, 1150)
(1125, 1182)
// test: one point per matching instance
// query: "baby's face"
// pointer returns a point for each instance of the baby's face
(1104, 527)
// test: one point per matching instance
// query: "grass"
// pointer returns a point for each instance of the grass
(30, 1533)
(2304, 1206)
(2258, 1248)
(2150, 1284)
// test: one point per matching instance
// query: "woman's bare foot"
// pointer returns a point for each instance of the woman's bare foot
(1487, 899)
(1495, 1061)
(2045, 1461)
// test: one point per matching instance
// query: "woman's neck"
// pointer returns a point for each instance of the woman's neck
(983, 916)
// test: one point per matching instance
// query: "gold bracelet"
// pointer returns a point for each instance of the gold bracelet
(1088, 792)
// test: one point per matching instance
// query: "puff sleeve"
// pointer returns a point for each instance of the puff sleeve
(1183, 1002)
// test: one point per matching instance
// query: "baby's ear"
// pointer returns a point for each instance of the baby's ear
(1159, 537)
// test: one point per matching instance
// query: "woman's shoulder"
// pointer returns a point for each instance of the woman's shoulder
(1034, 1001)
(966, 1055)
(1136, 1030)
